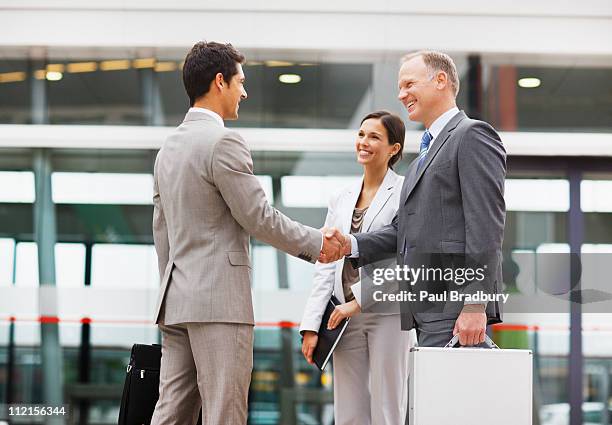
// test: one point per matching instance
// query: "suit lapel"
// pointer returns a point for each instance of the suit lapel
(409, 179)
(431, 154)
(381, 198)
(346, 210)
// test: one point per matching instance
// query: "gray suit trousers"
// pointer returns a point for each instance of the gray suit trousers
(216, 356)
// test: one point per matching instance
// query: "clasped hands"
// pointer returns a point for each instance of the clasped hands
(335, 245)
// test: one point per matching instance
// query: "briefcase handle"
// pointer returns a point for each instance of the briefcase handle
(455, 340)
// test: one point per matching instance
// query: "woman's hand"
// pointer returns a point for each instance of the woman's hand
(342, 312)
(308, 345)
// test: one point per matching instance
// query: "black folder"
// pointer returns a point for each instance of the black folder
(328, 339)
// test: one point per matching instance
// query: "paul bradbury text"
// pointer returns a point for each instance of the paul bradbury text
(450, 296)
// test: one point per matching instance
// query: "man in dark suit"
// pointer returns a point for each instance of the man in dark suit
(452, 200)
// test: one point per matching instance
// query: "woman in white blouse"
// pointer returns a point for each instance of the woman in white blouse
(371, 360)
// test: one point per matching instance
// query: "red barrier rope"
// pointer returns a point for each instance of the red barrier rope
(500, 327)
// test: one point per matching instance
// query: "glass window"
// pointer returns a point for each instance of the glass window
(17, 187)
(595, 196)
(174, 101)
(7, 252)
(97, 92)
(69, 264)
(313, 191)
(596, 204)
(265, 267)
(286, 94)
(124, 265)
(266, 185)
(537, 195)
(531, 98)
(26, 264)
(300, 274)
(15, 92)
(102, 188)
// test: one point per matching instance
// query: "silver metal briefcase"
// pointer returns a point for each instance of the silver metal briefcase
(470, 386)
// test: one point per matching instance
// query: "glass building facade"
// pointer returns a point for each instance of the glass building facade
(103, 259)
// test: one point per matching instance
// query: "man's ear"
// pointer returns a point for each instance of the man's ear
(441, 80)
(219, 80)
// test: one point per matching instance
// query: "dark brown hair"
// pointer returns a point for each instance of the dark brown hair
(396, 131)
(203, 62)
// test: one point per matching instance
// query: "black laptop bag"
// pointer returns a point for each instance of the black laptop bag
(141, 388)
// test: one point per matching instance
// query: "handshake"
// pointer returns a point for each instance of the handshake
(335, 245)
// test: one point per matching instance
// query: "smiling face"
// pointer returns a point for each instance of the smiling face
(234, 93)
(420, 91)
(372, 144)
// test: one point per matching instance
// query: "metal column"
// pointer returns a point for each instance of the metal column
(281, 257)
(576, 237)
(10, 363)
(474, 87)
(45, 235)
(85, 347)
(39, 110)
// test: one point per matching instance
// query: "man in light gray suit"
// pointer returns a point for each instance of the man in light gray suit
(452, 202)
(206, 204)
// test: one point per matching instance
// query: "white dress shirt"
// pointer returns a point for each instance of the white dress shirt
(213, 114)
(438, 125)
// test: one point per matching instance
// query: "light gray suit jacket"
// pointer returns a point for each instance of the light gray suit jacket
(328, 277)
(206, 204)
(452, 204)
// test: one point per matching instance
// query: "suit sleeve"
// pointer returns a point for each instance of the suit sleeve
(322, 285)
(160, 228)
(482, 173)
(232, 169)
(378, 245)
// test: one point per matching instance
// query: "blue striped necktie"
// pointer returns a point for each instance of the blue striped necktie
(425, 141)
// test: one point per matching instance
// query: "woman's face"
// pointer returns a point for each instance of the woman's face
(372, 144)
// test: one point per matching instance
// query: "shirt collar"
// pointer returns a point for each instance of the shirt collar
(437, 126)
(213, 114)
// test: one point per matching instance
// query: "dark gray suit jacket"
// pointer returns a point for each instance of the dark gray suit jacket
(454, 203)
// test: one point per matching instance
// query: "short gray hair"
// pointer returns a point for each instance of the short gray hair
(435, 62)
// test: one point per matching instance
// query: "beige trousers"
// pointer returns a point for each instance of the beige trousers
(207, 365)
(371, 371)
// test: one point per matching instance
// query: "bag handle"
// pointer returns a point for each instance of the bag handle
(455, 340)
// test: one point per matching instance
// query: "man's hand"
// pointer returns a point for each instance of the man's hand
(342, 312)
(335, 245)
(308, 345)
(471, 325)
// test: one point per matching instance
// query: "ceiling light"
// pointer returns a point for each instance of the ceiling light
(289, 78)
(82, 67)
(165, 66)
(529, 83)
(40, 74)
(278, 63)
(143, 63)
(12, 77)
(54, 76)
(115, 65)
